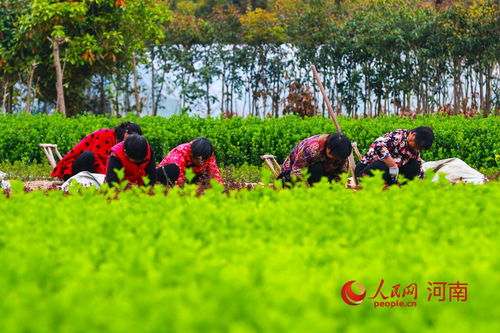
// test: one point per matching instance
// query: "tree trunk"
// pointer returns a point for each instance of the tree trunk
(419, 89)
(10, 103)
(245, 104)
(339, 94)
(153, 79)
(481, 83)
(207, 91)
(117, 95)
(158, 95)
(457, 85)
(379, 105)
(335, 80)
(275, 98)
(446, 98)
(30, 83)
(38, 104)
(136, 88)
(466, 88)
(426, 96)
(231, 96)
(365, 104)
(487, 97)
(101, 95)
(56, 43)
(183, 83)
(474, 93)
(5, 94)
(370, 104)
(127, 92)
(90, 97)
(223, 81)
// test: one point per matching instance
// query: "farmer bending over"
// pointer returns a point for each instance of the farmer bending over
(135, 156)
(198, 155)
(92, 152)
(397, 152)
(325, 155)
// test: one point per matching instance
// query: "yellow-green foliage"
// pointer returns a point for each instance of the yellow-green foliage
(250, 261)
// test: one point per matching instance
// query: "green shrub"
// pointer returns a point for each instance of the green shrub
(239, 141)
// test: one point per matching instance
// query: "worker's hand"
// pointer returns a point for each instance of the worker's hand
(394, 172)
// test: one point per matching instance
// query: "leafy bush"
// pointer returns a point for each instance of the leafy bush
(238, 141)
(258, 260)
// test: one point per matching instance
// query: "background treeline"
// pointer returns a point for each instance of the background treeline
(375, 56)
(241, 141)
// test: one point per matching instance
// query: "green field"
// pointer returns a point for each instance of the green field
(261, 260)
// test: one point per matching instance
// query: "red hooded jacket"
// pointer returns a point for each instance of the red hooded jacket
(133, 172)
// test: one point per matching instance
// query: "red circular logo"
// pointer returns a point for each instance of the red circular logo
(350, 297)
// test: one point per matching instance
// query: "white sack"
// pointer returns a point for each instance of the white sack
(3, 183)
(456, 171)
(86, 179)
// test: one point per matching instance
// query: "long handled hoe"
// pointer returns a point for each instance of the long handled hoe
(275, 167)
(271, 161)
(334, 119)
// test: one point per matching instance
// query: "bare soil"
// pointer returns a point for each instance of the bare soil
(41, 185)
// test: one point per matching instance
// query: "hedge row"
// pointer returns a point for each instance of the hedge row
(238, 141)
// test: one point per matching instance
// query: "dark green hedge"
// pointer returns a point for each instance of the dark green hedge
(238, 140)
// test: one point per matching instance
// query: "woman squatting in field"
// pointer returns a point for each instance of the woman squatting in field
(397, 152)
(324, 155)
(92, 152)
(198, 155)
(135, 157)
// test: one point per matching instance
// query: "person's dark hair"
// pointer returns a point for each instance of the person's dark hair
(136, 147)
(339, 145)
(127, 127)
(424, 136)
(202, 147)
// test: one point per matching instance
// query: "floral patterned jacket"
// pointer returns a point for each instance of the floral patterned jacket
(394, 144)
(308, 152)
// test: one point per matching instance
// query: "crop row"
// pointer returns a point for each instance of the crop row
(238, 141)
(250, 261)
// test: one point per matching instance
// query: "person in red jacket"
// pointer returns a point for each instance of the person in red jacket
(135, 157)
(92, 152)
(198, 155)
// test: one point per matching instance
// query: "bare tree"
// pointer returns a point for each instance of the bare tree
(5, 94)
(136, 87)
(30, 83)
(56, 45)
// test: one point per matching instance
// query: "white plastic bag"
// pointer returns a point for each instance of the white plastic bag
(3, 183)
(456, 171)
(86, 179)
